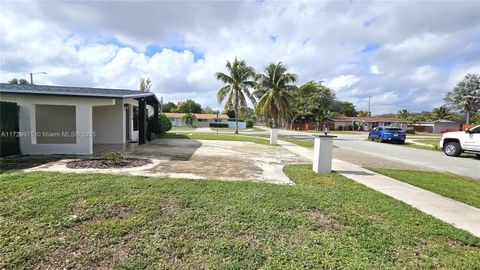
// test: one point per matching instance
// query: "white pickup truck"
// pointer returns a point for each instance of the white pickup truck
(455, 143)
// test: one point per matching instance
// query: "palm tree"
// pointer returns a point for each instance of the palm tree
(403, 114)
(189, 118)
(273, 90)
(465, 97)
(363, 114)
(237, 82)
(441, 112)
(145, 84)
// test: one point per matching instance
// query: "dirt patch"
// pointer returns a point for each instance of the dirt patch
(103, 164)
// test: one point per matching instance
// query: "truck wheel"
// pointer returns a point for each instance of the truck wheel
(452, 149)
(478, 156)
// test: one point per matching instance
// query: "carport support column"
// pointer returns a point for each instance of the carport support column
(84, 130)
(322, 153)
(155, 117)
(142, 120)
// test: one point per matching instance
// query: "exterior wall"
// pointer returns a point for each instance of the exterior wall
(231, 124)
(178, 122)
(57, 120)
(439, 126)
(109, 124)
(83, 120)
(367, 126)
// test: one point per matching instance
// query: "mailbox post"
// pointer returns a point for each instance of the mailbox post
(322, 153)
(273, 136)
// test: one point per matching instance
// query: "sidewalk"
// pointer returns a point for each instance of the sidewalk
(458, 214)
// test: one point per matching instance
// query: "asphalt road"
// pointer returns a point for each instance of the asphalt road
(433, 160)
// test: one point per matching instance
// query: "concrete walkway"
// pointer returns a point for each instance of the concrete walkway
(458, 214)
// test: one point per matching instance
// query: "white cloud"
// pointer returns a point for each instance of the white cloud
(424, 74)
(375, 70)
(342, 81)
(93, 44)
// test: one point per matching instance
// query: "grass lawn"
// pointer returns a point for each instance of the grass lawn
(459, 188)
(307, 143)
(428, 141)
(53, 220)
(253, 129)
(220, 136)
(182, 129)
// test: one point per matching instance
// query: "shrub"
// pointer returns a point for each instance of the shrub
(249, 122)
(220, 125)
(114, 158)
(164, 124)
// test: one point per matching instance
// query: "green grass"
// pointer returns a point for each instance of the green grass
(182, 129)
(53, 220)
(253, 129)
(433, 142)
(307, 143)
(220, 136)
(459, 188)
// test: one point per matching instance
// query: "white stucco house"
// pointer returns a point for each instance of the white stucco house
(204, 120)
(70, 120)
(436, 126)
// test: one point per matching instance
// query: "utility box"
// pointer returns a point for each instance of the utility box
(322, 153)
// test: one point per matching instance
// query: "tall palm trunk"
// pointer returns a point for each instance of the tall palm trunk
(236, 111)
(468, 118)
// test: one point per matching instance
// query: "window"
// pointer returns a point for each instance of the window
(135, 118)
(202, 120)
(218, 121)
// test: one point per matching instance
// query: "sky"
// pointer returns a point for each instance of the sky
(404, 54)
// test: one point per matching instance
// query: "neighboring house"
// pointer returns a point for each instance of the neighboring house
(202, 120)
(365, 123)
(70, 120)
(436, 126)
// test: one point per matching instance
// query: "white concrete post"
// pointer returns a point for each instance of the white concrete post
(273, 135)
(322, 153)
(84, 128)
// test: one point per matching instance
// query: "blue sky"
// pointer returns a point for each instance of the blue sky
(404, 54)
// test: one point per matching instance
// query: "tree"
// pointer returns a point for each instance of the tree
(363, 113)
(273, 89)
(465, 97)
(441, 112)
(188, 106)
(344, 108)
(403, 114)
(164, 124)
(189, 118)
(16, 81)
(169, 107)
(145, 84)
(312, 99)
(209, 110)
(230, 113)
(237, 82)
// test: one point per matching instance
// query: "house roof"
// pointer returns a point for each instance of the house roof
(369, 119)
(76, 91)
(199, 115)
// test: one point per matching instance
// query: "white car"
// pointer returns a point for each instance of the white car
(455, 143)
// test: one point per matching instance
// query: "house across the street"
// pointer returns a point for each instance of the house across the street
(203, 120)
(365, 123)
(70, 120)
(436, 126)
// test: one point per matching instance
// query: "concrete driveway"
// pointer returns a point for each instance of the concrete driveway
(202, 159)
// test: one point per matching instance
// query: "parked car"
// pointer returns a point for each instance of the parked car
(391, 134)
(455, 143)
